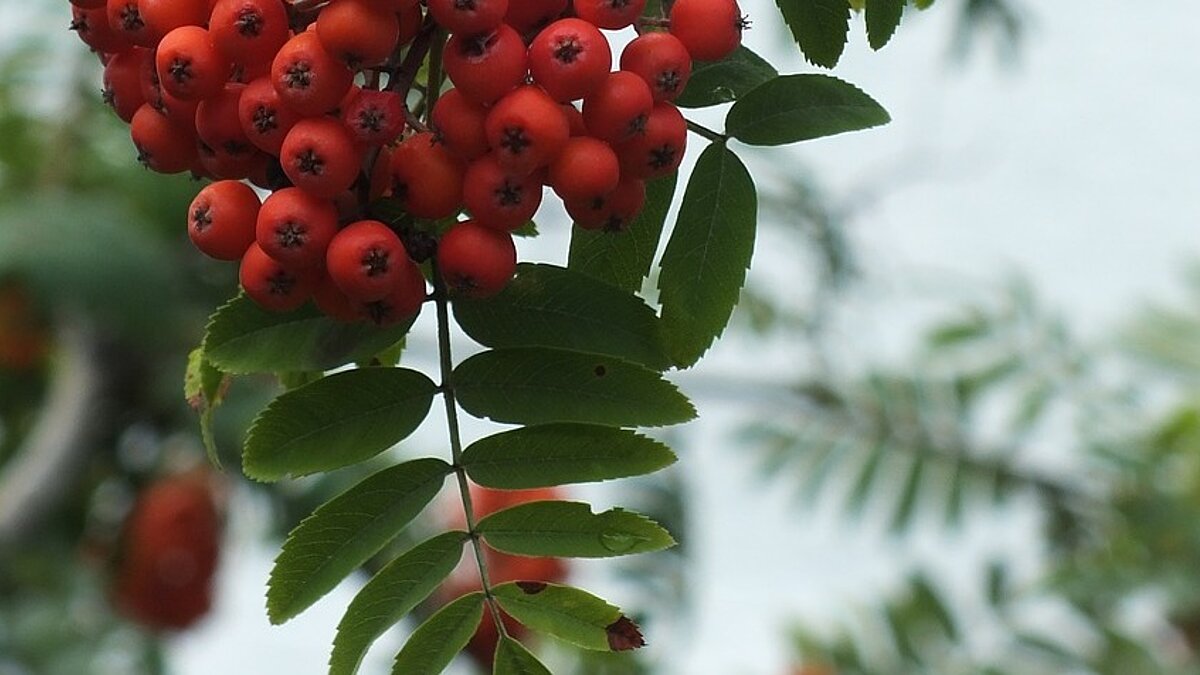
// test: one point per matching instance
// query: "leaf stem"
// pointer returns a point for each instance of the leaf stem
(446, 359)
(704, 131)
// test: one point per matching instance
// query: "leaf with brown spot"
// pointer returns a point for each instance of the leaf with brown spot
(571, 615)
(624, 634)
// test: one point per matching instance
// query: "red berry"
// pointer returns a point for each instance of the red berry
(263, 117)
(268, 283)
(658, 150)
(249, 31)
(459, 124)
(610, 14)
(586, 168)
(498, 198)
(426, 177)
(221, 219)
(709, 29)
(374, 117)
(530, 16)
(164, 16)
(403, 302)
(189, 68)
(486, 66)
(367, 261)
(526, 129)
(476, 261)
(218, 125)
(92, 27)
(125, 19)
(307, 78)
(123, 81)
(356, 33)
(569, 59)
(162, 145)
(319, 157)
(662, 61)
(469, 16)
(295, 228)
(618, 108)
(333, 302)
(613, 212)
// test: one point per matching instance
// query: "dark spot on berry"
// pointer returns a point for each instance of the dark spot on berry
(371, 119)
(567, 49)
(310, 162)
(249, 22)
(667, 81)
(263, 119)
(235, 147)
(600, 370)
(291, 235)
(509, 194)
(663, 156)
(281, 283)
(514, 140)
(618, 4)
(462, 283)
(202, 218)
(399, 190)
(298, 76)
(375, 262)
(464, 5)
(637, 125)
(80, 25)
(180, 69)
(597, 203)
(131, 18)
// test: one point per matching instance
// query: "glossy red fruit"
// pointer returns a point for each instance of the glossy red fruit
(587, 168)
(126, 20)
(123, 81)
(497, 198)
(476, 261)
(569, 59)
(614, 212)
(530, 16)
(189, 68)
(164, 16)
(662, 61)
(162, 145)
(404, 302)
(358, 33)
(319, 157)
(170, 549)
(307, 78)
(426, 177)
(367, 261)
(709, 29)
(526, 130)
(274, 287)
(610, 14)
(264, 119)
(658, 150)
(374, 117)
(333, 302)
(458, 123)
(221, 219)
(486, 66)
(92, 27)
(295, 228)
(249, 31)
(618, 109)
(218, 125)
(469, 16)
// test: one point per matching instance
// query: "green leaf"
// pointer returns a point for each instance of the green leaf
(435, 643)
(796, 108)
(390, 595)
(883, 16)
(704, 265)
(534, 385)
(513, 659)
(623, 259)
(909, 495)
(204, 388)
(560, 454)
(243, 338)
(569, 614)
(346, 531)
(336, 421)
(571, 530)
(715, 82)
(549, 306)
(819, 26)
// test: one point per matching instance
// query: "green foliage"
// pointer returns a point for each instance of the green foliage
(560, 454)
(513, 659)
(533, 385)
(436, 642)
(716, 82)
(204, 389)
(343, 533)
(883, 17)
(390, 595)
(819, 26)
(796, 108)
(623, 259)
(336, 421)
(244, 338)
(569, 614)
(705, 262)
(571, 530)
(549, 306)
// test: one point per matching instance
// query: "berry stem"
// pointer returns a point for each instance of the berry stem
(456, 450)
(704, 131)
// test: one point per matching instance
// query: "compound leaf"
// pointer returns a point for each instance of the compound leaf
(535, 385)
(561, 454)
(705, 263)
(346, 531)
(549, 306)
(801, 107)
(336, 421)
(569, 614)
(390, 595)
(571, 530)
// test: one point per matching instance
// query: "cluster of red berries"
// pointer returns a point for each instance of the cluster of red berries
(309, 99)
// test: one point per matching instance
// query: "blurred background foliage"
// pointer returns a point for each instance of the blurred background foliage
(102, 296)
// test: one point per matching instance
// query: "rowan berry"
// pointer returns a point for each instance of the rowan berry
(221, 219)
(319, 157)
(410, 20)
(486, 66)
(92, 27)
(403, 302)
(662, 61)
(164, 16)
(123, 81)
(218, 124)
(458, 124)
(476, 261)
(426, 177)
(162, 145)
(569, 59)
(263, 117)
(614, 212)
(610, 14)
(307, 78)
(374, 117)
(618, 108)
(356, 33)
(586, 168)
(272, 285)
(333, 302)
(497, 198)
(469, 16)
(189, 67)
(249, 31)
(221, 165)
(367, 261)
(295, 228)
(126, 20)
(530, 16)
(709, 29)
(88, 4)
(526, 129)
(658, 150)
